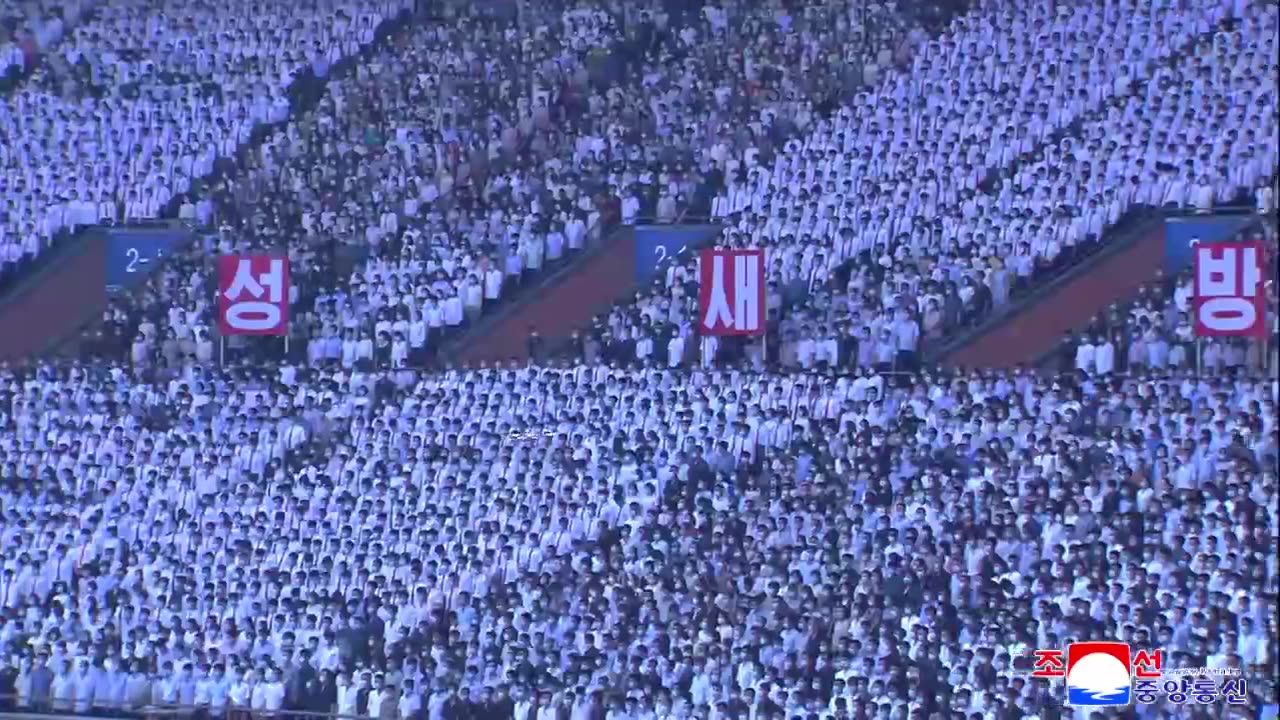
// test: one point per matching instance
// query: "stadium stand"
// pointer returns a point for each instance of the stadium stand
(477, 202)
(1155, 329)
(28, 29)
(847, 243)
(643, 523)
(596, 540)
(112, 132)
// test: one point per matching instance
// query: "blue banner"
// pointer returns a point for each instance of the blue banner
(132, 254)
(656, 243)
(1181, 234)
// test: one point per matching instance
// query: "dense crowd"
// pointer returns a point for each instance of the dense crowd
(412, 207)
(30, 28)
(657, 528)
(693, 544)
(143, 101)
(927, 205)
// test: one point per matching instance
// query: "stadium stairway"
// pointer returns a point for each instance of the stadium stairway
(64, 289)
(555, 306)
(607, 271)
(1031, 329)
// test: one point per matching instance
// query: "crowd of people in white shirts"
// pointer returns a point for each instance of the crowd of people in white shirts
(32, 27)
(638, 544)
(960, 182)
(494, 179)
(669, 543)
(144, 97)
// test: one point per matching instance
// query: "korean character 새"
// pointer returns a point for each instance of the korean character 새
(1177, 690)
(1234, 691)
(1145, 692)
(1204, 691)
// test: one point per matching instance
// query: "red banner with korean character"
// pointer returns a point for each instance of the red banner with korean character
(253, 294)
(1229, 299)
(731, 292)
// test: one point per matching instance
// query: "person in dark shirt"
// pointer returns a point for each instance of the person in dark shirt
(8, 688)
(504, 708)
(574, 348)
(535, 344)
(487, 707)
(41, 683)
(460, 707)
(322, 693)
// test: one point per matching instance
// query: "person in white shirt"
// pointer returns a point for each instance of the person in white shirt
(575, 232)
(417, 340)
(675, 350)
(453, 310)
(907, 336)
(268, 695)
(555, 246)
(473, 299)
(885, 350)
(535, 251)
(85, 685)
(710, 345)
(63, 690)
(410, 701)
(1104, 356)
(644, 347)
(1086, 356)
(242, 691)
(492, 284)
(348, 695)
(433, 311)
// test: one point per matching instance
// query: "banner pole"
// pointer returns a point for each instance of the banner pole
(1198, 357)
(222, 351)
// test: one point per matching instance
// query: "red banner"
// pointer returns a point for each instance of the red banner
(731, 292)
(1229, 295)
(253, 294)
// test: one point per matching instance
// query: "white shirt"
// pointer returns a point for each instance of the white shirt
(1085, 357)
(453, 311)
(493, 284)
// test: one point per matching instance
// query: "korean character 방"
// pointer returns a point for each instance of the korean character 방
(1145, 692)
(1234, 691)
(1177, 690)
(1204, 691)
